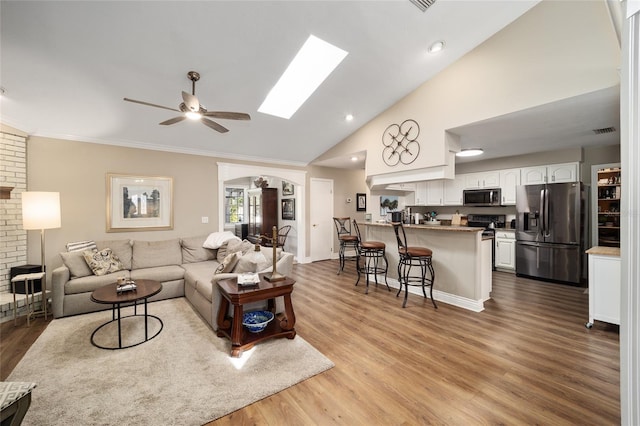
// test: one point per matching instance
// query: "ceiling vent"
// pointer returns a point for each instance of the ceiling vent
(604, 130)
(423, 5)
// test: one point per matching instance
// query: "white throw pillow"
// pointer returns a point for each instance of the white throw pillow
(216, 239)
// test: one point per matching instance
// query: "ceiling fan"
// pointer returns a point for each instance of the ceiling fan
(192, 108)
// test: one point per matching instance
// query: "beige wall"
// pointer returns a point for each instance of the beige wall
(555, 51)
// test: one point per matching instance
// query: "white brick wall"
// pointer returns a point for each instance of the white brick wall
(13, 239)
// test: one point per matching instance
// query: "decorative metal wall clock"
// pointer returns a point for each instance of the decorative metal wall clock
(400, 144)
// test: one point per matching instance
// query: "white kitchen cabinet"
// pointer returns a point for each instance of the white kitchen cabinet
(554, 173)
(505, 250)
(509, 180)
(478, 180)
(604, 285)
(453, 191)
(405, 187)
(435, 192)
(421, 193)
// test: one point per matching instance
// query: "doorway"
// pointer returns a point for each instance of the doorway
(321, 219)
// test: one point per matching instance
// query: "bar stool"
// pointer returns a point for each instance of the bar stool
(347, 241)
(413, 256)
(372, 251)
(29, 285)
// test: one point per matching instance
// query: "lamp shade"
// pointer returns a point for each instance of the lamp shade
(41, 210)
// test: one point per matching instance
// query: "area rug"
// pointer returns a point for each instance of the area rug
(184, 376)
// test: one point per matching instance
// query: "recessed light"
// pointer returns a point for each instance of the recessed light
(436, 47)
(348, 117)
(313, 63)
(354, 158)
(469, 152)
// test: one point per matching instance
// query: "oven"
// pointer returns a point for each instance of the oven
(489, 223)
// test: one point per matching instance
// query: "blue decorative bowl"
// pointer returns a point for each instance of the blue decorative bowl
(256, 321)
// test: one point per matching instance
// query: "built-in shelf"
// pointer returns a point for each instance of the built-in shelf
(607, 193)
(5, 192)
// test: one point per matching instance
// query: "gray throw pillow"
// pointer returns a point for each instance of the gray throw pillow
(74, 261)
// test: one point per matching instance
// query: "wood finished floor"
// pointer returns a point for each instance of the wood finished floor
(526, 359)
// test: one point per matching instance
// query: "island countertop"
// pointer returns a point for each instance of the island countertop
(448, 228)
(461, 259)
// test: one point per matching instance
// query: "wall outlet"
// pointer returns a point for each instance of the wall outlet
(205, 219)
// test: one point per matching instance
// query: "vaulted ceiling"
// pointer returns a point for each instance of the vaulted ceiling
(66, 67)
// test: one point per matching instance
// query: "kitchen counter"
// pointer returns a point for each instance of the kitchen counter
(461, 260)
(604, 251)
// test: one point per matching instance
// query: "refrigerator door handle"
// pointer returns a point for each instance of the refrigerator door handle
(545, 231)
(542, 216)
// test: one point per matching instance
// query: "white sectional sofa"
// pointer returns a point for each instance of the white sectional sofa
(182, 265)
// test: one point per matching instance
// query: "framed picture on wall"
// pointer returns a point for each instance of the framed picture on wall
(139, 203)
(361, 202)
(288, 209)
(287, 188)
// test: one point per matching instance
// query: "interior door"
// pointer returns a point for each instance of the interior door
(321, 218)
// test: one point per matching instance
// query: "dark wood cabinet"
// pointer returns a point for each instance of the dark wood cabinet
(263, 211)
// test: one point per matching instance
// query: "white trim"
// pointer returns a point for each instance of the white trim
(438, 296)
(230, 171)
(630, 218)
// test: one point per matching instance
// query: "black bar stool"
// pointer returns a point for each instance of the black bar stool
(372, 251)
(347, 241)
(413, 256)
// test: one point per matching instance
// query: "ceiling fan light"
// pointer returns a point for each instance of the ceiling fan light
(470, 152)
(193, 115)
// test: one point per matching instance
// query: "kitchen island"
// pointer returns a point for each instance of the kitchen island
(461, 260)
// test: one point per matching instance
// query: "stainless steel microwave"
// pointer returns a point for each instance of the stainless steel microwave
(482, 197)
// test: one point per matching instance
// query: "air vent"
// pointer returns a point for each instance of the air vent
(604, 130)
(423, 5)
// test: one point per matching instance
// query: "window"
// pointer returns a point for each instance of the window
(234, 205)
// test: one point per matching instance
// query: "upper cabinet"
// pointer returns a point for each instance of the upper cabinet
(452, 189)
(434, 192)
(421, 193)
(555, 173)
(482, 180)
(509, 180)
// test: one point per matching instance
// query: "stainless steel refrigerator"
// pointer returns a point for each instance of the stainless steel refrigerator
(550, 231)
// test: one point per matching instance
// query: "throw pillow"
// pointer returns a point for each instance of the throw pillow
(102, 262)
(245, 246)
(81, 246)
(216, 239)
(192, 250)
(253, 261)
(76, 264)
(228, 263)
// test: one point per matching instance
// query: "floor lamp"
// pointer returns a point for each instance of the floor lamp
(41, 210)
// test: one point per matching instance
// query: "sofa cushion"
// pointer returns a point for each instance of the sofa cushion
(102, 262)
(216, 239)
(121, 248)
(228, 263)
(74, 261)
(193, 251)
(199, 275)
(149, 254)
(92, 282)
(158, 273)
(223, 250)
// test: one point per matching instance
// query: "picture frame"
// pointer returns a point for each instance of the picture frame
(288, 209)
(139, 203)
(287, 188)
(361, 202)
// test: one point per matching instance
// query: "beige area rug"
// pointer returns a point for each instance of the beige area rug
(184, 376)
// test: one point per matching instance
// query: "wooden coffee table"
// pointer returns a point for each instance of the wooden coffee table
(242, 339)
(109, 295)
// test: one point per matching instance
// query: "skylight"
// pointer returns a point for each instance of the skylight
(311, 66)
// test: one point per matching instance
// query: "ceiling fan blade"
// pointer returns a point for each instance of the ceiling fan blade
(153, 105)
(191, 101)
(214, 125)
(173, 120)
(228, 115)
